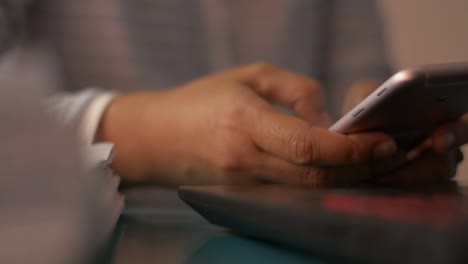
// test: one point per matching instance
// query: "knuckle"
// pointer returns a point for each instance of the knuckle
(315, 95)
(304, 149)
(233, 114)
(354, 153)
(305, 91)
(226, 162)
(226, 155)
(309, 88)
(230, 153)
(308, 91)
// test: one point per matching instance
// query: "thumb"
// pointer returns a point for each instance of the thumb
(294, 140)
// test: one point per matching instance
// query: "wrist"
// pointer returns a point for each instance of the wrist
(122, 124)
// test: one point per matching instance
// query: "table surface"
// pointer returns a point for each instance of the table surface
(157, 227)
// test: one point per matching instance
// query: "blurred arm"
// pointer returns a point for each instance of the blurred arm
(83, 109)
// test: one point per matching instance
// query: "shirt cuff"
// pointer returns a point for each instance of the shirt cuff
(92, 117)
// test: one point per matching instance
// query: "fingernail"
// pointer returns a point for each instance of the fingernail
(385, 149)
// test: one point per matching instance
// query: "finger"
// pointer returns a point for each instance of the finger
(273, 169)
(429, 168)
(451, 135)
(294, 140)
(419, 150)
(302, 95)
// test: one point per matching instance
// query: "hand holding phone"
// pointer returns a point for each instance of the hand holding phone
(413, 104)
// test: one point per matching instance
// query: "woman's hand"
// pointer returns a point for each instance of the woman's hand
(225, 129)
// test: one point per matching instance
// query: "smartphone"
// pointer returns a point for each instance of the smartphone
(411, 104)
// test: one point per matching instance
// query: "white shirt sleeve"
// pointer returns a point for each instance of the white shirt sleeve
(92, 116)
(83, 110)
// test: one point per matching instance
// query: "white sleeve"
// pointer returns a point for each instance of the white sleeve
(92, 117)
(83, 110)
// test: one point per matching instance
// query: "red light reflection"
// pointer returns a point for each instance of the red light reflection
(441, 211)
